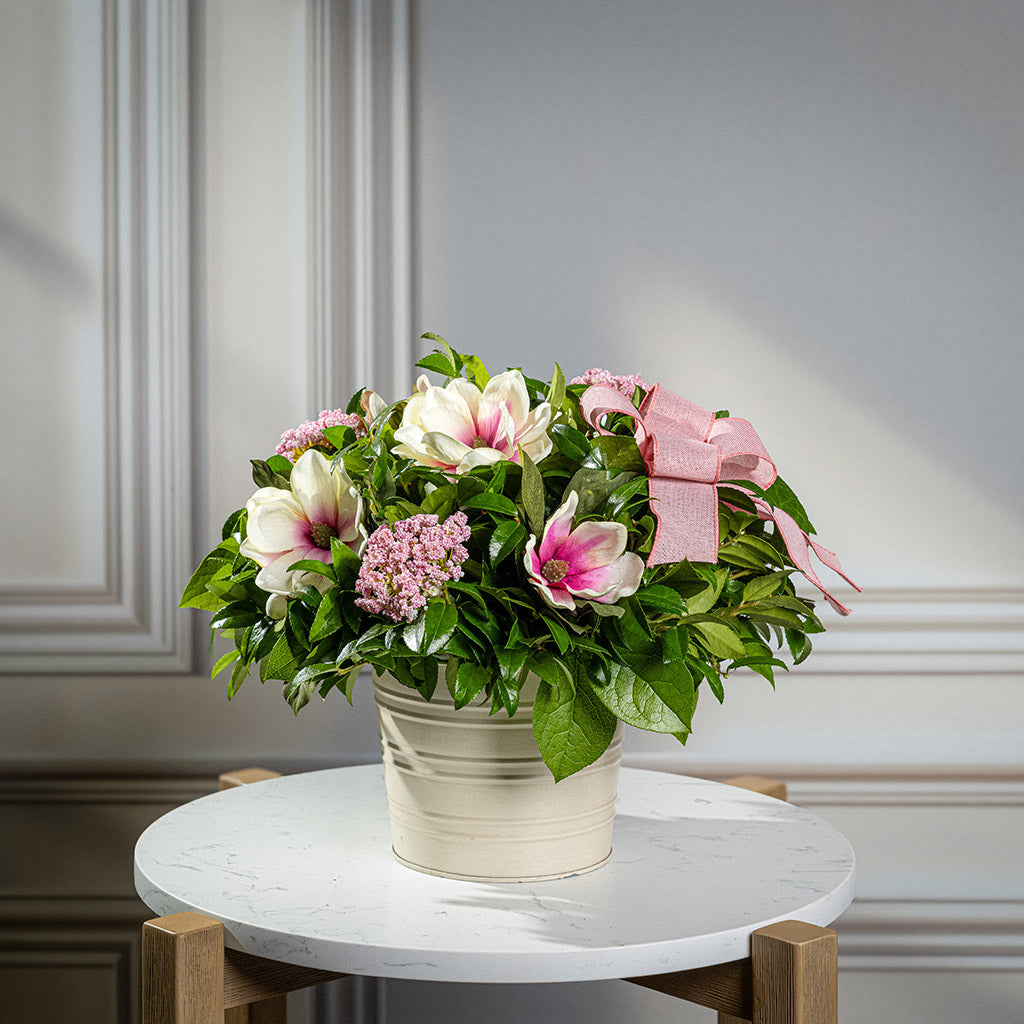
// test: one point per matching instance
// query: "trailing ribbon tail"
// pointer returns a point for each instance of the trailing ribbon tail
(799, 546)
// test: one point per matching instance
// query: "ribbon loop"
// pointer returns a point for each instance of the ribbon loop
(687, 452)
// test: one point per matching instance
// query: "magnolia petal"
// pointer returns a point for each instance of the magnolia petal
(535, 425)
(558, 528)
(592, 545)
(372, 405)
(508, 388)
(557, 597)
(446, 412)
(318, 488)
(468, 392)
(531, 559)
(423, 384)
(445, 448)
(275, 577)
(609, 583)
(411, 447)
(480, 457)
(275, 525)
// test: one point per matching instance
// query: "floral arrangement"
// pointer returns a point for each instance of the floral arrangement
(619, 542)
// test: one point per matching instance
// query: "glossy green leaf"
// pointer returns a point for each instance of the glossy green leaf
(571, 726)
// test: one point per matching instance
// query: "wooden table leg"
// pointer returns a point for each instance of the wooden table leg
(795, 974)
(183, 970)
(266, 1011)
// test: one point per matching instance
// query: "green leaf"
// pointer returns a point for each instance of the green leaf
(571, 726)
(619, 453)
(533, 493)
(594, 486)
(705, 600)
(345, 561)
(763, 586)
(438, 362)
(314, 565)
(451, 674)
(780, 495)
(505, 694)
(719, 639)
(238, 676)
(470, 681)
(328, 618)
(558, 633)
(457, 360)
(264, 476)
(223, 662)
(215, 566)
(507, 536)
(476, 371)
(340, 436)
(633, 700)
(662, 599)
(495, 503)
(799, 645)
(556, 392)
(284, 659)
(735, 554)
(572, 443)
(432, 629)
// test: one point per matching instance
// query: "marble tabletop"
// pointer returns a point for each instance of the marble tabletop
(299, 869)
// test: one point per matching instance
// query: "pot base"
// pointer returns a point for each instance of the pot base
(497, 878)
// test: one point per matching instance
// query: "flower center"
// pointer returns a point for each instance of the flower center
(321, 534)
(554, 569)
(479, 442)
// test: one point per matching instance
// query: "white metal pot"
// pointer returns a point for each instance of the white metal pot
(470, 796)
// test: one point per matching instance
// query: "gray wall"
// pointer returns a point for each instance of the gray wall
(811, 214)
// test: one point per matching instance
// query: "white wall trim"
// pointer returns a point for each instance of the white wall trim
(360, 208)
(130, 624)
(932, 935)
(939, 631)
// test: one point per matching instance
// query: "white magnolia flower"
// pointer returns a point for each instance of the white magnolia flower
(283, 527)
(590, 563)
(458, 427)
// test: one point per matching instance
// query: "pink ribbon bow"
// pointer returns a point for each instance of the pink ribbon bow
(687, 452)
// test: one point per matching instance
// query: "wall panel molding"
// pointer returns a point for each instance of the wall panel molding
(939, 631)
(128, 624)
(361, 197)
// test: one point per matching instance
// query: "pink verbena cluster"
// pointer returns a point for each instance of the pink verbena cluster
(626, 385)
(406, 564)
(294, 442)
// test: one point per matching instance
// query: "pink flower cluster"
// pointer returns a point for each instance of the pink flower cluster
(294, 442)
(625, 385)
(406, 564)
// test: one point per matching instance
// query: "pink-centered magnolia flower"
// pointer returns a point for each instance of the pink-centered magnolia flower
(283, 527)
(458, 427)
(590, 562)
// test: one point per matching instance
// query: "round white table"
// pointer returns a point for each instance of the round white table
(299, 869)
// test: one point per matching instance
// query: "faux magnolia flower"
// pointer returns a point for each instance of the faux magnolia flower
(283, 527)
(406, 564)
(296, 441)
(589, 562)
(458, 427)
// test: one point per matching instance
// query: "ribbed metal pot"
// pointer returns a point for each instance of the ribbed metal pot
(470, 796)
